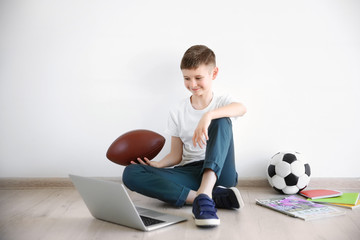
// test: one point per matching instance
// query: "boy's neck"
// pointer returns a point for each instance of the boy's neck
(202, 101)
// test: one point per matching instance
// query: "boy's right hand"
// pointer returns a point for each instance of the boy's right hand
(146, 162)
(200, 136)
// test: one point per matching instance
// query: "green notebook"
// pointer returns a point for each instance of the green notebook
(345, 198)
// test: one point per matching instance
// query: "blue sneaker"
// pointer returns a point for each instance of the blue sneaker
(228, 198)
(204, 212)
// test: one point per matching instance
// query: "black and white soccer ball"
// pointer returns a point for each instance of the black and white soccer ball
(288, 173)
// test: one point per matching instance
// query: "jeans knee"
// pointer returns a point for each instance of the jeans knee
(222, 122)
(129, 174)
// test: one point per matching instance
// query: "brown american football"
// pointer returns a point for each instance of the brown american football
(135, 144)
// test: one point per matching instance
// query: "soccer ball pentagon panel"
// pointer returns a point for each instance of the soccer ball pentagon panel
(288, 173)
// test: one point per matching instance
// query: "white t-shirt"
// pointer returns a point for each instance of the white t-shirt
(184, 119)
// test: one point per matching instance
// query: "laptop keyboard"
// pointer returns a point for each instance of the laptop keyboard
(150, 221)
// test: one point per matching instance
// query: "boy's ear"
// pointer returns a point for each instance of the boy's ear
(215, 73)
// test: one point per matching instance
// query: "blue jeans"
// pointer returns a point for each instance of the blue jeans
(172, 185)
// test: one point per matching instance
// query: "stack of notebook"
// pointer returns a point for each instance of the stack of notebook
(335, 198)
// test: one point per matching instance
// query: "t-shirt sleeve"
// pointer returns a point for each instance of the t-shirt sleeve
(172, 127)
(226, 100)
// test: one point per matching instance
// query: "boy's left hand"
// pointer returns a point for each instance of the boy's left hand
(146, 161)
(201, 132)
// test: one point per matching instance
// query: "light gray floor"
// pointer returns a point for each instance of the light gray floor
(59, 213)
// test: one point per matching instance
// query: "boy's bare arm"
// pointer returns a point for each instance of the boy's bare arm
(232, 110)
(171, 159)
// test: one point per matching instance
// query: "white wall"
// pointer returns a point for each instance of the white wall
(74, 75)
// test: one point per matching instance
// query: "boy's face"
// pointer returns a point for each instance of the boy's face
(199, 81)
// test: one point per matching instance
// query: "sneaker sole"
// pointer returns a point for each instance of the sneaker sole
(206, 222)
(238, 196)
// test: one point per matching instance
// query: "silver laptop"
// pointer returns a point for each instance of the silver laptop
(109, 201)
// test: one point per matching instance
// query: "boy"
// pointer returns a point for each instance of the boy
(202, 148)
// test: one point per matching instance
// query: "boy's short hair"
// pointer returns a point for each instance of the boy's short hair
(197, 55)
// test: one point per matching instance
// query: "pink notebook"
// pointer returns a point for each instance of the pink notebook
(320, 193)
